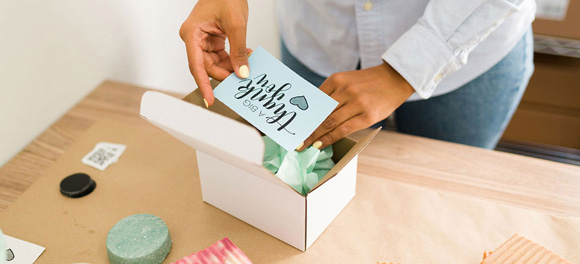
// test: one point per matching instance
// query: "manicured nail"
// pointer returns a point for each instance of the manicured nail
(317, 144)
(299, 147)
(244, 71)
(206, 104)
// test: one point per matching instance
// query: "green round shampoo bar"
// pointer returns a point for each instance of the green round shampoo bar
(139, 238)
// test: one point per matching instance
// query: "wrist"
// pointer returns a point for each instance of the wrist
(397, 80)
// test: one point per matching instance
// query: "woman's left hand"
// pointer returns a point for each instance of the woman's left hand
(364, 97)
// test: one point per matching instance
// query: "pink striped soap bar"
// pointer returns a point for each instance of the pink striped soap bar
(223, 251)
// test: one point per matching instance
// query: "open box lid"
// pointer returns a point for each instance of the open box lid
(229, 138)
(225, 139)
(191, 124)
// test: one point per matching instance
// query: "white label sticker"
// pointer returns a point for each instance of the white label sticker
(552, 9)
(21, 252)
(103, 155)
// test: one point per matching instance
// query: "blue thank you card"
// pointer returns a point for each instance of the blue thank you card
(276, 100)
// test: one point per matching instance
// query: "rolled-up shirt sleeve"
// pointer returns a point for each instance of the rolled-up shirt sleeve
(441, 40)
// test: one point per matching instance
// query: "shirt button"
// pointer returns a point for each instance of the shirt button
(438, 78)
(368, 6)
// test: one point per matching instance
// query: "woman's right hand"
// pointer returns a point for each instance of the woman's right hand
(204, 33)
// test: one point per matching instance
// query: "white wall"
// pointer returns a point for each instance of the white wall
(53, 53)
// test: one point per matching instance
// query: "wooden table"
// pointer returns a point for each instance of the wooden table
(528, 182)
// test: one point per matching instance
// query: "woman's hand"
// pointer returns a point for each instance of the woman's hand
(204, 33)
(364, 97)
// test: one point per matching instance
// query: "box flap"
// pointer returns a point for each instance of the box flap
(355, 150)
(223, 139)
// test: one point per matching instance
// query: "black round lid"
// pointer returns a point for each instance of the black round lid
(77, 185)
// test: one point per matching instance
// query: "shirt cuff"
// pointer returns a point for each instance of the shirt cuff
(422, 58)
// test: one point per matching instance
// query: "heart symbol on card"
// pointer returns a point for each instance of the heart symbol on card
(9, 255)
(300, 102)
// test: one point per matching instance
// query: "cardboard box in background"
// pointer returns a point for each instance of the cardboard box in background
(557, 27)
(558, 18)
(230, 156)
(549, 112)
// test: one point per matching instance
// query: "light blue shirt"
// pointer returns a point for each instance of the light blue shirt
(427, 42)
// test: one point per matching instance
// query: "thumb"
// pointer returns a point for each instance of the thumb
(238, 51)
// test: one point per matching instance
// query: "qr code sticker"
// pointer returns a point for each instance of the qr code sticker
(103, 155)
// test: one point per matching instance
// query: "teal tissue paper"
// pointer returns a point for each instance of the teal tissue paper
(301, 170)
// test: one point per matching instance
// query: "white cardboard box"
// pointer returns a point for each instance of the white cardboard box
(230, 154)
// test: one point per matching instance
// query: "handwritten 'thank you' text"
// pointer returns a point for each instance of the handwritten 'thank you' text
(271, 98)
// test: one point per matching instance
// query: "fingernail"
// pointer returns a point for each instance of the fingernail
(244, 71)
(317, 144)
(299, 147)
(206, 104)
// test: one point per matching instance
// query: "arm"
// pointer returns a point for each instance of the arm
(439, 43)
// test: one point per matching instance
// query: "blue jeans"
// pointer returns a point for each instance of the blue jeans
(475, 114)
